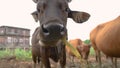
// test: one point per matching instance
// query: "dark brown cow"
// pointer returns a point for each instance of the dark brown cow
(36, 47)
(52, 15)
(106, 38)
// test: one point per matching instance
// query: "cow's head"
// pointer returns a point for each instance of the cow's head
(84, 50)
(52, 15)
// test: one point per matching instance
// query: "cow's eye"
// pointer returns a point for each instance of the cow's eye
(67, 9)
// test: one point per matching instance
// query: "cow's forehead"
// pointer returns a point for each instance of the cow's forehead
(47, 1)
(53, 3)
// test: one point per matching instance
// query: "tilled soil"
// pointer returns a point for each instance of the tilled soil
(13, 63)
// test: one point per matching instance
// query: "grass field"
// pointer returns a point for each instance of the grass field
(23, 59)
(19, 53)
(23, 54)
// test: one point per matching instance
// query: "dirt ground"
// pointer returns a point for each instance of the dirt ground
(13, 63)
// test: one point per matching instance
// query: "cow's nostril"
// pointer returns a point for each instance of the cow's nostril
(53, 30)
(45, 31)
(62, 30)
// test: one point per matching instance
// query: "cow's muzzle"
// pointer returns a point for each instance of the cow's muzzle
(53, 31)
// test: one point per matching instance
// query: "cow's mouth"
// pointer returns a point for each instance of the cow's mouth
(53, 32)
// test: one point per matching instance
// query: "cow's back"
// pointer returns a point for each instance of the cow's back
(94, 33)
(108, 38)
(75, 42)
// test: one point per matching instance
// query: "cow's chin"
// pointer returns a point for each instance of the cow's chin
(49, 42)
(51, 38)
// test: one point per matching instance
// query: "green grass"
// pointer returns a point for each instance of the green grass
(92, 52)
(26, 55)
(19, 53)
(22, 54)
(4, 53)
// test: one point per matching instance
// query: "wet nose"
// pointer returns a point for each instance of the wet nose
(53, 29)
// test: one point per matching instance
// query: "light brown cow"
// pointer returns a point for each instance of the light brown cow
(74, 43)
(106, 38)
(82, 48)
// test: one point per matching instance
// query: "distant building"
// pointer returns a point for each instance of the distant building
(12, 37)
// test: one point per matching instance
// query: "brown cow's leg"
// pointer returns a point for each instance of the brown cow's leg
(46, 62)
(34, 65)
(99, 58)
(39, 62)
(63, 58)
(34, 60)
(96, 55)
(72, 59)
(41, 65)
(45, 57)
(114, 62)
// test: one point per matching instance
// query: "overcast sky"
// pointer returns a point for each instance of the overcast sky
(18, 13)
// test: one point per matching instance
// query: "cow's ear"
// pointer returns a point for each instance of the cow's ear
(35, 1)
(78, 17)
(35, 16)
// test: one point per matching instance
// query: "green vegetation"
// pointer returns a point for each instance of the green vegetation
(4, 53)
(19, 53)
(92, 52)
(87, 41)
(22, 54)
